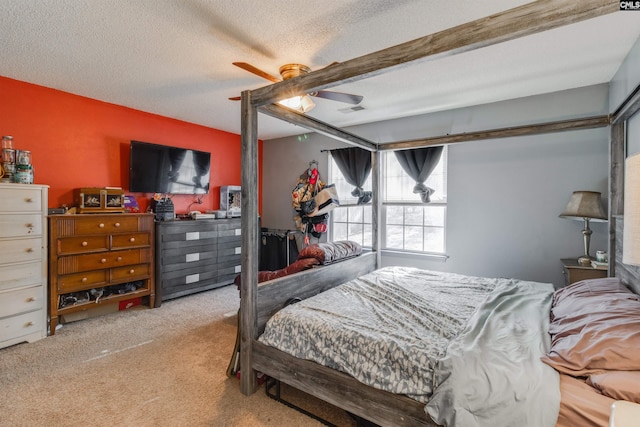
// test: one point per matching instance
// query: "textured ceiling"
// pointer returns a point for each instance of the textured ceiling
(173, 57)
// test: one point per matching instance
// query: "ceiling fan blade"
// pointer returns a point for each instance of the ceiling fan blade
(258, 72)
(235, 98)
(339, 96)
(331, 65)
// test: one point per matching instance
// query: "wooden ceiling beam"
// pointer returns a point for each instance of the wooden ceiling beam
(534, 129)
(514, 23)
(319, 126)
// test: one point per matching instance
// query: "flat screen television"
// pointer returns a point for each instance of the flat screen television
(157, 168)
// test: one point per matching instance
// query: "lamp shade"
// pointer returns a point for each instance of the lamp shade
(631, 237)
(585, 204)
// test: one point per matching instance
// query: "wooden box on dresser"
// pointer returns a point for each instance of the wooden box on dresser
(23, 263)
(97, 259)
(196, 255)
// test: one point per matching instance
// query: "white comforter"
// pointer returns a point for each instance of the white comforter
(492, 374)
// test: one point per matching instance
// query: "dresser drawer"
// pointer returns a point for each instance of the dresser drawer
(229, 235)
(96, 224)
(130, 273)
(78, 263)
(21, 300)
(20, 250)
(19, 326)
(21, 200)
(15, 225)
(131, 240)
(23, 274)
(82, 281)
(83, 244)
(108, 224)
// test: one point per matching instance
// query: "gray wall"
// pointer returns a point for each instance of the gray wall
(504, 195)
(626, 79)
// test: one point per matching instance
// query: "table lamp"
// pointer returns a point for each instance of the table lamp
(586, 206)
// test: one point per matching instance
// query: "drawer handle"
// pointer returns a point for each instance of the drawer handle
(101, 225)
(28, 324)
(103, 260)
(84, 280)
(29, 225)
(84, 244)
(119, 258)
(117, 224)
(28, 200)
(132, 271)
(133, 239)
(31, 299)
(29, 250)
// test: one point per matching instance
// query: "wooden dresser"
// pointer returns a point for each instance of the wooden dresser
(196, 255)
(23, 263)
(97, 259)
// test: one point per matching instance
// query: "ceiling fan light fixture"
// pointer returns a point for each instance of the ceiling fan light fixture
(302, 103)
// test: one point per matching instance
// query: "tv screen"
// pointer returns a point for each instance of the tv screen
(157, 168)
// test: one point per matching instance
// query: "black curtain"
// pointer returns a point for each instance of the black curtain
(355, 165)
(418, 163)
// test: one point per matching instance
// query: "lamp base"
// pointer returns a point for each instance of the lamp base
(585, 261)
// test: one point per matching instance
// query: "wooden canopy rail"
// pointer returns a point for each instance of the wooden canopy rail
(323, 382)
(514, 23)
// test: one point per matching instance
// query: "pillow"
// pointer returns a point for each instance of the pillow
(581, 295)
(329, 252)
(595, 326)
(620, 385)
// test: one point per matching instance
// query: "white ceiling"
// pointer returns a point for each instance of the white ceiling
(173, 57)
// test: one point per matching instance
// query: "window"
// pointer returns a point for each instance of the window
(406, 223)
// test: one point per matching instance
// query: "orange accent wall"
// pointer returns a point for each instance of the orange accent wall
(81, 142)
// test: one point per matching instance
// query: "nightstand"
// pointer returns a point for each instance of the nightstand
(573, 272)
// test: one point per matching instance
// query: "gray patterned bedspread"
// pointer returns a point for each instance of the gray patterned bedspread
(387, 328)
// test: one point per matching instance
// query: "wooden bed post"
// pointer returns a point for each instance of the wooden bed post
(616, 190)
(376, 204)
(618, 146)
(250, 240)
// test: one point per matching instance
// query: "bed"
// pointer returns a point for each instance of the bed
(261, 303)
(391, 329)
(472, 351)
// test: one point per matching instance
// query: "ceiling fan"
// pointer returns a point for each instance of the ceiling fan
(301, 103)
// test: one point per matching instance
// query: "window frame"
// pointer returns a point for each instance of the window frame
(382, 220)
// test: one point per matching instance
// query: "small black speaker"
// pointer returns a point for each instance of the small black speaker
(57, 211)
(163, 209)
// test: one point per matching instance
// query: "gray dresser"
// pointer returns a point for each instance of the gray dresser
(195, 255)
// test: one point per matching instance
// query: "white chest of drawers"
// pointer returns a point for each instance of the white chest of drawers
(23, 263)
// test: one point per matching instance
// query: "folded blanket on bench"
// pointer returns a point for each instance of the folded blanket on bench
(316, 254)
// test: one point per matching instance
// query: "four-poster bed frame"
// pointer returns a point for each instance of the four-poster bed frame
(259, 303)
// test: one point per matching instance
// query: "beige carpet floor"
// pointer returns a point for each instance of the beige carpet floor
(143, 367)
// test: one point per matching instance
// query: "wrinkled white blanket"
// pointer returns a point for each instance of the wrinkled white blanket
(492, 374)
